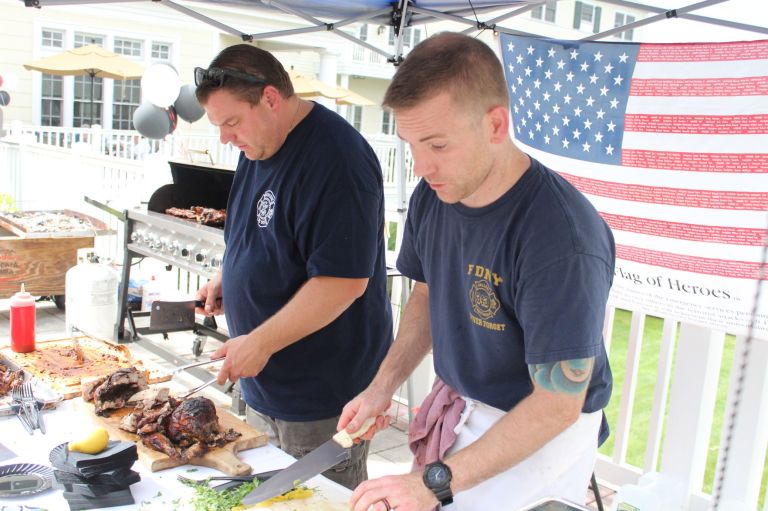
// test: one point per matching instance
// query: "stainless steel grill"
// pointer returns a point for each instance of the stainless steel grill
(181, 243)
(185, 244)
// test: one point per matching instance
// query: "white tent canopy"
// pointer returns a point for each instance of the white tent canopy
(331, 15)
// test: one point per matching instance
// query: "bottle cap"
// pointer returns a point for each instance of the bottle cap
(22, 297)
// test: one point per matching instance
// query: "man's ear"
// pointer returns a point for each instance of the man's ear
(271, 96)
(499, 122)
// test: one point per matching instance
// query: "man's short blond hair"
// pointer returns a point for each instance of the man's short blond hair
(464, 67)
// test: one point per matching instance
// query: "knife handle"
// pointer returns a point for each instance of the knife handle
(345, 439)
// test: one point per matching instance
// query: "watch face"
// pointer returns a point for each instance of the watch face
(438, 475)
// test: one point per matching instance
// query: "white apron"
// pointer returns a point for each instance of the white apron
(561, 468)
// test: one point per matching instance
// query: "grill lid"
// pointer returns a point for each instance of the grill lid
(193, 185)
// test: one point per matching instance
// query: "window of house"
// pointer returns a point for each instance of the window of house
(84, 39)
(586, 17)
(53, 38)
(88, 98)
(128, 47)
(407, 37)
(127, 93)
(545, 12)
(52, 100)
(620, 20)
(411, 37)
(127, 98)
(355, 117)
(387, 123)
(161, 51)
(363, 36)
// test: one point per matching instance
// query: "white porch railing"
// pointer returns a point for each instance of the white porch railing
(54, 168)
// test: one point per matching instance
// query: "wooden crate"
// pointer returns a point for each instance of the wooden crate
(40, 263)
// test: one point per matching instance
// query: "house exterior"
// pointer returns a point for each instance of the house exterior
(151, 32)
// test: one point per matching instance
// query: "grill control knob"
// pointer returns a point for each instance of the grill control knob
(135, 236)
(174, 248)
(185, 252)
(201, 256)
(216, 261)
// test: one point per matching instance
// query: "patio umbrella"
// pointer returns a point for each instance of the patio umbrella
(348, 98)
(309, 87)
(91, 60)
(353, 99)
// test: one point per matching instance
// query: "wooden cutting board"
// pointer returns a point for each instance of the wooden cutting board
(223, 458)
(54, 363)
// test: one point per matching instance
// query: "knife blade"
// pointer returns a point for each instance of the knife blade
(316, 462)
(168, 316)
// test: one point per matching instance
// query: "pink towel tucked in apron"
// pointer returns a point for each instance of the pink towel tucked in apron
(432, 433)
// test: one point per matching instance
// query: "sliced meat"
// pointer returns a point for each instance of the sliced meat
(115, 391)
(160, 442)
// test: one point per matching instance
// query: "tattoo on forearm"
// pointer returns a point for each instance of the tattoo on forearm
(569, 376)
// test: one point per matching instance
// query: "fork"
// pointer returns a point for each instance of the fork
(21, 412)
(263, 476)
(198, 388)
(29, 403)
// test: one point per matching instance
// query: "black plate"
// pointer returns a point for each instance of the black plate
(118, 455)
(41, 471)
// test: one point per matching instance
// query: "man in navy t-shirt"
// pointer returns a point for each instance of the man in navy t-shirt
(512, 268)
(303, 280)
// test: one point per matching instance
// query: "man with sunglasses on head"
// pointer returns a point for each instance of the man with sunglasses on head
(303, 280)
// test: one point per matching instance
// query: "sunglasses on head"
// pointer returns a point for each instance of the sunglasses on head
(215, 76)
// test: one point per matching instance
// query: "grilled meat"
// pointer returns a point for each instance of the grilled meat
(113, 391)
(9, 379)
(181, 429)
(200, 214)
(193, 420)
(160, 442)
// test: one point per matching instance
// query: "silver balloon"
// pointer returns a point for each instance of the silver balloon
(187, 105)
(151, 121)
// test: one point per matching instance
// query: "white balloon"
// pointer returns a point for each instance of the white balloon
(160, 85)
(10, 81)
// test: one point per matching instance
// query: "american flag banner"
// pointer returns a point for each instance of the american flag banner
(670, 143)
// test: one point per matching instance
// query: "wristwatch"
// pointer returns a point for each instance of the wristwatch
(437, 477)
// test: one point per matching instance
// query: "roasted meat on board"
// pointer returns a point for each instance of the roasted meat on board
(112, 392)
(181, 429)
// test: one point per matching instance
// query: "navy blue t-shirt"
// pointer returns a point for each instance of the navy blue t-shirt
(315, 208)
(521, 281)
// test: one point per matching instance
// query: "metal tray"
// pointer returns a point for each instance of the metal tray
(14, 222)
(45, 394)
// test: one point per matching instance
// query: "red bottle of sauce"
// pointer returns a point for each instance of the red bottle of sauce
(22, 322)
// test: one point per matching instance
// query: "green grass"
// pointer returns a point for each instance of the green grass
(646, 381)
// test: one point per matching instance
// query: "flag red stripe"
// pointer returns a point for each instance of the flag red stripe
(684, 231)
(703, 265)
(706, 87)
(709, 199)
(698, 52)
(696, 162)
(698, 124)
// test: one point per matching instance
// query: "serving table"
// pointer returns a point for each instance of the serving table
(156, 490)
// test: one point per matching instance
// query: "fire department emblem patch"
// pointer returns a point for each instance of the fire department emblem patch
(265, 208)
(483, 299)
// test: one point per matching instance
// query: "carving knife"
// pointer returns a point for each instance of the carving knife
(328, 455)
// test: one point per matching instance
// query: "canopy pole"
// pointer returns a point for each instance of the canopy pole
(647, 21)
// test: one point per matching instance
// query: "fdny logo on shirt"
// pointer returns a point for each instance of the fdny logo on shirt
(484, 301)
(482, 296)
(265, 208)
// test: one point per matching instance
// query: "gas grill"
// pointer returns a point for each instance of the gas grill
(178, 242)
(182, 243)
